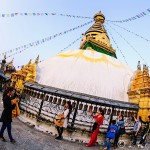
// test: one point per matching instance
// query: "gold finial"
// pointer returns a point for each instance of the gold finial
(99, 17)
(147, 68)
(144, 67)
(139, 66)
(5, 56)
(11, 62)
(37, 60)
(22, 67)
(29, 61)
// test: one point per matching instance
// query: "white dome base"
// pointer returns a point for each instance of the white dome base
(86, 71)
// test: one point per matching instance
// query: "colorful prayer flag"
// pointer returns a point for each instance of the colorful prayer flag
(148, 10)
(12, 15)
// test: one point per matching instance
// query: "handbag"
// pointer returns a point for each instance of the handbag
(16, 110)
(94, 126)
(122, 130)
(59, 120)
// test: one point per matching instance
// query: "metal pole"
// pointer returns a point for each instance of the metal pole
(38, 116)
(111, 117)
(75, 113)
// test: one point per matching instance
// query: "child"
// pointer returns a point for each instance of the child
(110, 135)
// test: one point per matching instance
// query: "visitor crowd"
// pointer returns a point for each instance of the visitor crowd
(115, 130)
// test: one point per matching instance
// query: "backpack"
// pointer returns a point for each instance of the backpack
(94, 127)
(16, 110)
(59, 120)
(112, 132)
(122, 130)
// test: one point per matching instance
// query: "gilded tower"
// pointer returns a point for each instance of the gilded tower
(27, 73)
(139, 91)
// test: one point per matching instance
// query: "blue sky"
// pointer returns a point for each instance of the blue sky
(21, 30)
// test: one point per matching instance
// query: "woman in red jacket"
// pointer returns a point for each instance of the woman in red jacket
(98, 122)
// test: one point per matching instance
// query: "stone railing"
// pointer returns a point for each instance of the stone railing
(43, 103)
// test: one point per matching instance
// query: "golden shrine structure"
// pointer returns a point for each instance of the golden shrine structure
(26, 74)
(6, 69)
(139, 91)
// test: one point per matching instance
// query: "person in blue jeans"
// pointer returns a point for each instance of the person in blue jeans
(110, 135)
(136, 129)
(6, 116)
(145, 132)
(120, 124)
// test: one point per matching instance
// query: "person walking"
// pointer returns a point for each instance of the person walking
(66, 115)
(6, 116)
(98, 122)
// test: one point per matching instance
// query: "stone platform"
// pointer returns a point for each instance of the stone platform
(28, 138)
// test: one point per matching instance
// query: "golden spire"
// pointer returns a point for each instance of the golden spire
(37, 60)
(5, 56)
(11, 62)
(29, 61)
(139, 66)
(96, 35)
(99, 19)
(139, 90)
(144, 67)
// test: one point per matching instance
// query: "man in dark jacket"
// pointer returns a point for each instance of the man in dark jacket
(6, 117)
(145, 132)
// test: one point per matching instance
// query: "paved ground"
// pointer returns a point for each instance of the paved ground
(30, 139)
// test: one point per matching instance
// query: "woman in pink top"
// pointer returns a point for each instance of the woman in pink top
(98, 122)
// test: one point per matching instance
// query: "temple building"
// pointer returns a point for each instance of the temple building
(139, 91)
(9, 69)
(91, 78)
(6, 69)
(26, 74)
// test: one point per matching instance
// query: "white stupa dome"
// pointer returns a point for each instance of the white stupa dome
(88, 72)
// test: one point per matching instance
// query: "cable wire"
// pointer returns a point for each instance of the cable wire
(69, 45)
(132, 32)
(128, 44)
(41, 41)
(117, 45)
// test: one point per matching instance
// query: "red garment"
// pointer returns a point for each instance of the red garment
(94, 135)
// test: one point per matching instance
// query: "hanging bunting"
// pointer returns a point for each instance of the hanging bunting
(41, 14)
(131, 32)
(128, 44)
(38, 42)
(142, 14)
(116, 45)
(58, 52)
